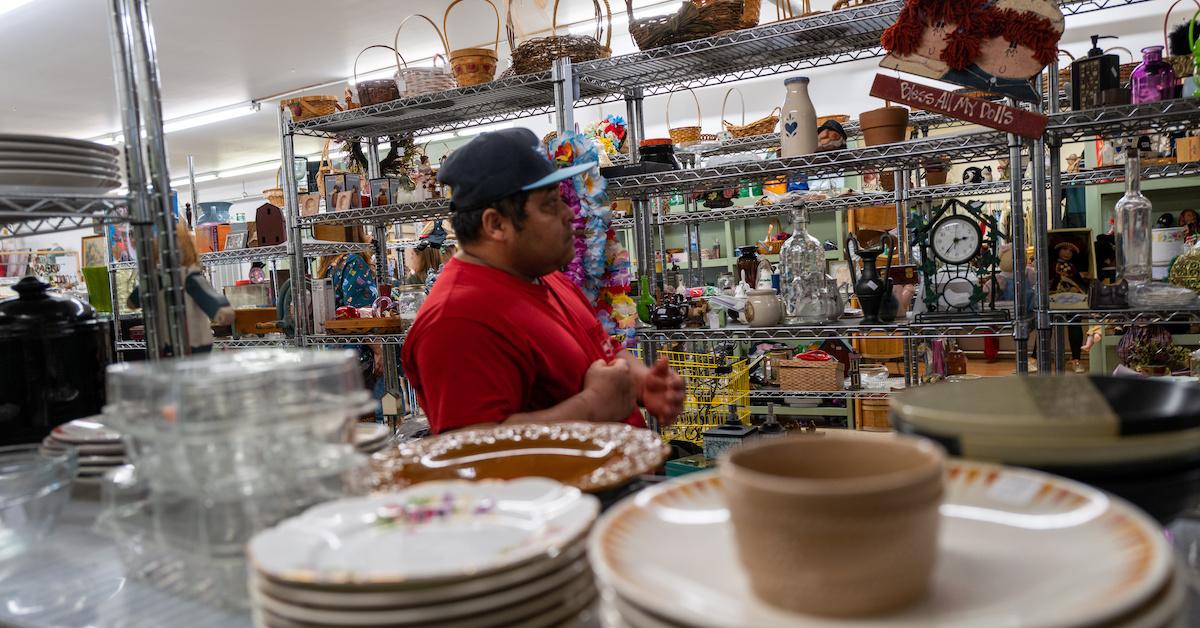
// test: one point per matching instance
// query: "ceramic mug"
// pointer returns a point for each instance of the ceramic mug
(836, 524)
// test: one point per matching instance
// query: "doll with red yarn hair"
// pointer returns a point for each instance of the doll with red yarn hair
(990, 45)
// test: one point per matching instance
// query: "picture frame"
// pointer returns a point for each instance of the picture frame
(235, 240)
(384, 191)
(335, 184)
(1071, 258)
(93, 251)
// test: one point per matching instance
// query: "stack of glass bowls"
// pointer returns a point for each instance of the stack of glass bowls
(224, 445)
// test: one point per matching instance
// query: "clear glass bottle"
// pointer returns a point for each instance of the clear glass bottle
(1134, 224)
(802, 273)
(1154, 79)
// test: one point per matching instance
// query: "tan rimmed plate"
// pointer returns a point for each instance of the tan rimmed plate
(592, 457)
(1017, 548)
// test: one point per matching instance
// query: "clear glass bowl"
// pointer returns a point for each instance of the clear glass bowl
(34, 486)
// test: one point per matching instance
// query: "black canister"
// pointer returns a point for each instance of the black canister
(53, 354)
(659, 151)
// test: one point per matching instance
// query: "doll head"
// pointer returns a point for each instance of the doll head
(1066, 251)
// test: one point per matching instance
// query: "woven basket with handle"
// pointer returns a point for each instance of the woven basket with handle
(275, 195)
(414, 81)
(306, 107)
(761, 126)
(750, 11)
(689, 23)
(375, 91)
(809, 375)
(785, 11)
(539, 53)
(684, 134)
(1184, 65)
(473, 66)
(326, 167)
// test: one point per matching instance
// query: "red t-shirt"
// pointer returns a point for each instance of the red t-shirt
(487, 345)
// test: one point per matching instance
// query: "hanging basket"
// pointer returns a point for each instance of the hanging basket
(539, 53)
(761, 126)
(414, 81)
(750, 11)
(375, 91)
(473, 66)
(689, 23)
(306, 107)
(684, 134)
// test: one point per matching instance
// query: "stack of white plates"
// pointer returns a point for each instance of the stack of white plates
(100, 448)
(463, 554)
(38, 162)
(1017, 548)
(371, 437)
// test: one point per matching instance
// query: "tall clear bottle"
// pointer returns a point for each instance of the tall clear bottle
(802, 273)
(1134, 224)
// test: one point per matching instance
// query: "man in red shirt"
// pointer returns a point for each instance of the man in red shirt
(504, 337)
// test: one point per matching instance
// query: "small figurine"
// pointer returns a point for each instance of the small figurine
(987, 174)
(831, 136)
(1074, 163)
(1002, 169)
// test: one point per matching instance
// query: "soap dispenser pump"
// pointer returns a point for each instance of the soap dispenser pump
(1093, 74)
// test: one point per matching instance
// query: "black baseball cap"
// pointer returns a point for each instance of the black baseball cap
(499, 164)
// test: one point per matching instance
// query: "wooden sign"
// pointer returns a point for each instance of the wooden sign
(976, 110)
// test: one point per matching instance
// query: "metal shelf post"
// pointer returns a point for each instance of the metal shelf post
(299, 268)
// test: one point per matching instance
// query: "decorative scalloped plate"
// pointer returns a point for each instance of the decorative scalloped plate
(592, 457)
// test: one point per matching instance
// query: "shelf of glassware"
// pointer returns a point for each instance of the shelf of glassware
(1062, 318)
(846, 329)
(30, 213)
(354, 339)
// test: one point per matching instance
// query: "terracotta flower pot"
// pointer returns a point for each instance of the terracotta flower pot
(935, 174)
(885, 125)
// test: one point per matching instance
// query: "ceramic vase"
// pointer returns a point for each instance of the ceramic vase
(873, 291)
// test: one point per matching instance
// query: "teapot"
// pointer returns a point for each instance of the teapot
(670, 312)
(874, 293)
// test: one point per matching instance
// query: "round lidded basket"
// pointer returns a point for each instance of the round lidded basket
(473, 66)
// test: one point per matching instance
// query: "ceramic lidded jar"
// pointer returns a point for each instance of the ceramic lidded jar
(798, 120)
(763, 308)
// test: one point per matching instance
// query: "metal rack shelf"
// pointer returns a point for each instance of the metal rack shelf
(780, 395)
(1062, 318)
(264, 253)
(25, 213)
(840, 330)
(1124, 120)
(383, 214)
(131, 345)
(758, 143)
(349, 339)
(219, 343)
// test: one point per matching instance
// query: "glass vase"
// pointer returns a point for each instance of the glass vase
(1154, 79)
(1134, 224)
(802, 273)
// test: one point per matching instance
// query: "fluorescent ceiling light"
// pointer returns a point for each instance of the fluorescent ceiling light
(9, 5)
(473, 131)
(251, 169)
(191, 122)
(184, 182)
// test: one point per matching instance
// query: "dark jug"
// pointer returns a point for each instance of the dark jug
(973, 175)
(874, 292)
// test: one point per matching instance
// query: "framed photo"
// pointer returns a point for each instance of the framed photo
(1072, 262)
(334, 184)
(235, 240)
(92, 250)
(383, 191)
(354, 185)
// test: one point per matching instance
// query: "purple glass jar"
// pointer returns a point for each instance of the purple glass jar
(1154, 79)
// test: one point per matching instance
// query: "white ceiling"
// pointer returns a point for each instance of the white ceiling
(218, 53)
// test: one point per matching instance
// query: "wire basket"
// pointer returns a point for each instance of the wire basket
(761, 126)
(473, 66)
(713, 383)
(689, 23)
(539, 53)
(414, 81)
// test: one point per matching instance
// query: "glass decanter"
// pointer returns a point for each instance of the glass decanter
(802, 273)
(1134, 224)
(1154, 79)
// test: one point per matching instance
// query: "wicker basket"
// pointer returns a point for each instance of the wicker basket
(473, 66)
(808, 375)
(689, 23)
(761, 126)
(326, 167)
(750, 11)
(1184, 65)
(275, 195)
(539, 53)
(784, 10)
(374, 91)
(306, 107)
(684, 134)
(414, 81)
(846, 4)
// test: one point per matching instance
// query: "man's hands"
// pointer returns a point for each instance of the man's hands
(662, 392)
(609, 391)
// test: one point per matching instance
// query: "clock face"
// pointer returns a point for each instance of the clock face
(956, 239)
(957, 292)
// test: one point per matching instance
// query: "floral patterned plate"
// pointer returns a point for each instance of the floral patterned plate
(592, 457)
(1017, 548)
(433, 533)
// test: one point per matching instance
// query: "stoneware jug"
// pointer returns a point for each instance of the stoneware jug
(872, 290)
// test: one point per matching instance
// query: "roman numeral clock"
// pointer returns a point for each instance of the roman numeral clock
(959, 244)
